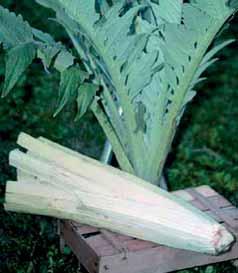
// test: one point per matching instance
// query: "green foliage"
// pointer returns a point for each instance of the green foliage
(13, 30)
(86, 94)
(69, 85)
(18, 60)
(147, 57)
(24, 43)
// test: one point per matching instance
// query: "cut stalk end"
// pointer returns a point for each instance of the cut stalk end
(223, 239)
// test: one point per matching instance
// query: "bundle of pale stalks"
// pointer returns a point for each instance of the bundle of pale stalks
(58, 182)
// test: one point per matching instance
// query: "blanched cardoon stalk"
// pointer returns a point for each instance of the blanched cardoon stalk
(58, 182)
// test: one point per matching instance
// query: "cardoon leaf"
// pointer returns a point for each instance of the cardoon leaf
(17, 61)
(70, 81)
(169, 10)
(86, 93)
(46, 53)
(42, 36)
(63, 61)
(13, 30)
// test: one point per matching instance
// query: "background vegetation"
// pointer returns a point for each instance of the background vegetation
(205, 150)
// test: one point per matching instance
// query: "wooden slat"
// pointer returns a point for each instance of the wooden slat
(161, 260)
(123, 238)
(206, 191)
(106, 251)
(219, 201)
(232, 212)
(213, 206)
(137, 245)
(216, 217)
(101, 246)
(80, 248)
(87, 229)
(198, 204)
(97, 241)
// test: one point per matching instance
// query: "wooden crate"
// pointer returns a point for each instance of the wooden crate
(101, 251)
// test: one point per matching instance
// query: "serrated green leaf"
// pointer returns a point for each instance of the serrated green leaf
(17, 61)
(69, 84)
(46, 53)
(42, 36)
(216, 49)
(86, 93)
(169, 10)
(13, 30)
(64, 60)
(48, 49)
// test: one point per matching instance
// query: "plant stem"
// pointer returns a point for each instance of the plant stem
(114, 140)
